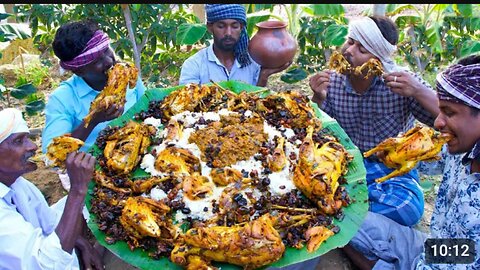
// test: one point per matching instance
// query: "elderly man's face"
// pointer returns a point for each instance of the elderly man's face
(226, 33)
(15, 152)
(458, 120)
(355, 53)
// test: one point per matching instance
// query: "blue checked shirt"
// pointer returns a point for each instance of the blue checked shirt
(377, 114)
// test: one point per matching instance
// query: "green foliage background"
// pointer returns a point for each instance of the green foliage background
(432, 36)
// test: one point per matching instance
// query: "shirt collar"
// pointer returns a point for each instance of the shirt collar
(472, 154)
(82, 87)
(6, 193)
(213, 58)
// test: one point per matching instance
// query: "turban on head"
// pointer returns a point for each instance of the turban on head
(95, 47)
(12, 122)
(366, 32)
(217, 12)
(461, 84)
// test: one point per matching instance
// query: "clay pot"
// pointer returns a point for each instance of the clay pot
(272, 46)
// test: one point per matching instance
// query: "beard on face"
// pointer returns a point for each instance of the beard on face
(221, 43)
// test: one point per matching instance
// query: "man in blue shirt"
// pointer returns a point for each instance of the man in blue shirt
(85, 50)
(227, 58)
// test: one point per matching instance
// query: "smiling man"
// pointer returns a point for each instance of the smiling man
(383, 244)
(32, 234)
(227, 58)
(85, 50)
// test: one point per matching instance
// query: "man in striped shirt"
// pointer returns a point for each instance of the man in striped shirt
(375, 108)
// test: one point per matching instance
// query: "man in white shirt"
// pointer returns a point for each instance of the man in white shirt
(32, 234)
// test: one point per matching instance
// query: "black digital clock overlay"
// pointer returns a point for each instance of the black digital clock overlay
(449, 251)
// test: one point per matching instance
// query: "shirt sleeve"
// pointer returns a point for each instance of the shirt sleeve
(256, 74)
(417, 109)
(190, 72)
(26, 247)
(140, 88)
(58, 120)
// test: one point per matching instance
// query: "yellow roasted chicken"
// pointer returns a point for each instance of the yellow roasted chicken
(142, 217)
(373, 67)
(177, 161)
(402, 153)
(129, 186)
(318, 170)
(251, 245)
(124, 148)
(192, 97)
(315, 236)
(60, 147)
(337, 62)
(290, 109)
(120, 76)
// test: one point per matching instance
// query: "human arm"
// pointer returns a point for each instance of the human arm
(88, 256)
(266, 72)
(80, 166)
(27, 238)
(63, 114)
(140, 87)
(407, 84)
(81, 132)
(358, 259)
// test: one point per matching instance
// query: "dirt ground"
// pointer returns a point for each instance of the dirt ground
(49, 183)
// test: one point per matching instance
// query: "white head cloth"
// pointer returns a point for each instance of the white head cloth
(366, 31)
(11, 121)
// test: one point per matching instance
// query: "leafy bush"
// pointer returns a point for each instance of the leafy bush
(154, 25)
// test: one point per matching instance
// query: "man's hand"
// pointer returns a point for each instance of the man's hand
(81, 132)
(266, 72)
(88, 256)
(403, 83)
(319, 84)
(80, 166)
(110, 113)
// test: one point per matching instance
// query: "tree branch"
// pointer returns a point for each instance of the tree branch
(131, 35)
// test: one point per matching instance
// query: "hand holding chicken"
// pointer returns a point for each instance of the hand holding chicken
(120, 76)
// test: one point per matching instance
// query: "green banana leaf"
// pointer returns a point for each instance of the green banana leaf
(349, 224)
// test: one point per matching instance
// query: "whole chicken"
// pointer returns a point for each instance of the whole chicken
(402, 153)
(318, 170)
(251, 245)
(142, 217)
(124, 148)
